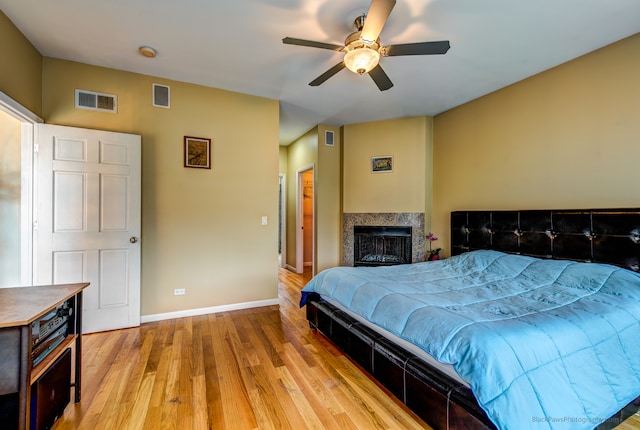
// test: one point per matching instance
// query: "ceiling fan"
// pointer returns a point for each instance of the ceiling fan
(362, 49)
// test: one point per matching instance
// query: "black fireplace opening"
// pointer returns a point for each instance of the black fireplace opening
(381, 245)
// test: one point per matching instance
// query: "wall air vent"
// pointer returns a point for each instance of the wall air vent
(161, 96)
(328, 137)
(96, 101)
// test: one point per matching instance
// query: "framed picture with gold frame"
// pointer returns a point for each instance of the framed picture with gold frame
(197, 152)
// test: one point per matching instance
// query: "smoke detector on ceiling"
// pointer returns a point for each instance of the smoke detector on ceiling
(147, 51)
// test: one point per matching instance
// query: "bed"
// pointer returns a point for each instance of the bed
(532, 323)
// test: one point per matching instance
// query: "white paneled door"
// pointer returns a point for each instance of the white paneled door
(87, 220)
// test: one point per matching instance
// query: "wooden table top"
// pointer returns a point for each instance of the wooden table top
(23, 305)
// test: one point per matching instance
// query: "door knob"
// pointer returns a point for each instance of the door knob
(133, 239)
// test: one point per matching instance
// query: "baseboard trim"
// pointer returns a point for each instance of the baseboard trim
(291, 268)
(210, 310)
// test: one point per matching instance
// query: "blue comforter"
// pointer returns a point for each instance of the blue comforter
(542, 343)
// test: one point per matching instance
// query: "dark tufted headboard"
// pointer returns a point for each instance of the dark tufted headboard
(595, 235)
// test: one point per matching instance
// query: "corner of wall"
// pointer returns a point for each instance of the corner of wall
(23, 80)
(428, 173)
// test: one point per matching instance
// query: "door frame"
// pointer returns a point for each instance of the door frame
(28, 120)
(300, 219)
(282, 182)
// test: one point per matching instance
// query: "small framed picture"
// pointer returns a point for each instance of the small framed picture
(382, 164)
(197, 152)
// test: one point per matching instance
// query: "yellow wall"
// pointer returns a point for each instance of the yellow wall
(201, 229)
(283, 156)
(21, 70)
(310, 151)
(328, 195)
(565, 138)
(408, 140)
(302, 154)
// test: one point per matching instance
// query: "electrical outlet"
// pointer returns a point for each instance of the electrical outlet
(179, 292)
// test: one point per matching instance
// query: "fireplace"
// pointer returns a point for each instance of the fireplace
(414, 220)
(381, 245)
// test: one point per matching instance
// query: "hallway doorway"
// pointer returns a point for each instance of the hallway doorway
(282, 219)
(305, 221)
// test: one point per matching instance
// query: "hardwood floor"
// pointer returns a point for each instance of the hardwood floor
(253, 369)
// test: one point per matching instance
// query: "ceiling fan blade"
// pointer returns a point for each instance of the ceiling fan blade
(420, 48)
(377, 16)
(326, 75)
(380, 78)
(311, 43)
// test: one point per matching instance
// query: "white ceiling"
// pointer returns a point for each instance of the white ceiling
(237, 45)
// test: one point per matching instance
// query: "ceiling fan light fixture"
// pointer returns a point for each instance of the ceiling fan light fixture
(362, 49)
(362, 59)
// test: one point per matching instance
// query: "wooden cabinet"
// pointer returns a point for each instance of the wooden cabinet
(31, 356)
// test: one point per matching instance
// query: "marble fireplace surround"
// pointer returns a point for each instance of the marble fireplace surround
(411, 219)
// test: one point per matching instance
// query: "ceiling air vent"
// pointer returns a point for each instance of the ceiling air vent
(161, 96)
(96, 101)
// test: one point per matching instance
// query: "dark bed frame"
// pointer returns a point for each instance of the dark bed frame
(609, 236)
